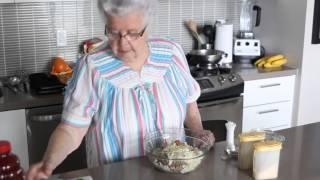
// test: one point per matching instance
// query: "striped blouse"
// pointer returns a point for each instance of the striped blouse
(121, 105)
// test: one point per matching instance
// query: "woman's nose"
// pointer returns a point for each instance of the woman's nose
(123, 42)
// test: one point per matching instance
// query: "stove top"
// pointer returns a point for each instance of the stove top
(201, 72)
(217, 82)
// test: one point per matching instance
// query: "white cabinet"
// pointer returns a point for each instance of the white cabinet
(13, 129)
(268, 103)
(286, 27)
(273, 116)
(270, 90)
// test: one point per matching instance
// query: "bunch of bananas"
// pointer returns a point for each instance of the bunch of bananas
(271, 61)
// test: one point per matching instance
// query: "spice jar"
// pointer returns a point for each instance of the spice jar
(266, 159)
(246, 148)
(9, 163)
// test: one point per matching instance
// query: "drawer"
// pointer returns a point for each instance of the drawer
(270, 90)
(271, 116)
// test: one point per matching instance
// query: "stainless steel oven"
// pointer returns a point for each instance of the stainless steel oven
(227, 109)
(41, 122)
(220, 101)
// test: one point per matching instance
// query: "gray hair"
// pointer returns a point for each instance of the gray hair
(124, 7)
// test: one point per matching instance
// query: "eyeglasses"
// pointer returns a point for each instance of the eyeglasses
(131, 36)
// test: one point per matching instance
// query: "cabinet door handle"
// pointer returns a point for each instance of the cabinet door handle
(270, 85)
(268, 111)
(280, 126)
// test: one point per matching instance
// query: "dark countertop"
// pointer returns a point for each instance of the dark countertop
(11, 101)
(299, 160)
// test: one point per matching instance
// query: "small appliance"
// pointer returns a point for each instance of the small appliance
(246, 47)
(224, 40)
(43, 83)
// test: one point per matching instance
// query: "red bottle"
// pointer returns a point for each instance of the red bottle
(9, 163)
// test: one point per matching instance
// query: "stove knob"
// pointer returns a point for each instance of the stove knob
(221, 79)
(232, 77)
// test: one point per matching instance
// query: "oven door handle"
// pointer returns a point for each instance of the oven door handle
(219, 102)
(46, 118)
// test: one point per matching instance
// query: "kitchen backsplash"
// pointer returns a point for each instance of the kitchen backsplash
(28, 30)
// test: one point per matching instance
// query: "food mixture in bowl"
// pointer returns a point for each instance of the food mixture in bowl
(177, 156)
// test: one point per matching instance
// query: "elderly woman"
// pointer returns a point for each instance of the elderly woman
(134, 86)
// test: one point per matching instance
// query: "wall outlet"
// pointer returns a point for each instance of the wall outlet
(61, 38)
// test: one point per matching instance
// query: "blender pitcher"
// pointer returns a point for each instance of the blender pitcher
(246, 18)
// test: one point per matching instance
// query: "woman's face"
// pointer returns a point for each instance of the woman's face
(126, 35)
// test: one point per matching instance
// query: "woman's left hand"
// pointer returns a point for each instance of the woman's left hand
(206, 136)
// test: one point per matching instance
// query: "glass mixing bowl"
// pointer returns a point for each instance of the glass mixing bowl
(175, 150)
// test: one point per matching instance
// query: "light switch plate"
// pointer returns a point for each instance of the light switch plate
(61, 38)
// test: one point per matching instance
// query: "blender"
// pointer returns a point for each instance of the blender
(246, 47)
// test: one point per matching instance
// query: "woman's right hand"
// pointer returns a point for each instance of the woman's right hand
(38, 171)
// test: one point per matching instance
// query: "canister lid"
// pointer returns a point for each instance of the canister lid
(5, 146)
(252, 136)
(268, 145)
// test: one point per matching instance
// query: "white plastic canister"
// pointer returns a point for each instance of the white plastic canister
(246, 148)
(266, 159)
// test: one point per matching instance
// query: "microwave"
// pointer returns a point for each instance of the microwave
(316, 23)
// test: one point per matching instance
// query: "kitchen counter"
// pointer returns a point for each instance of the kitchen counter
(299, 160)
(11, 101)
(249, 73)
